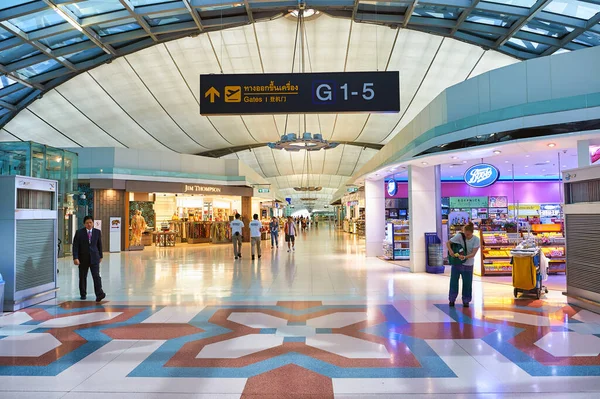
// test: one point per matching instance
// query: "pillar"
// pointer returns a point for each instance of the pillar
(374, 216)
(583, 154)
(423, 193)
(246, 217)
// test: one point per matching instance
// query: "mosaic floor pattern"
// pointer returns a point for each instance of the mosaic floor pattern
(300, 349)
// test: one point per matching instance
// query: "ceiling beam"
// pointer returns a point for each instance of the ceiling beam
(20, 79)
(409, 13)
(573, 35)
(220, 152)
(45, 50)
(194, 13)
(139, 19)
(533, 11)
(8, 106)
(463, 16)
(74, 21)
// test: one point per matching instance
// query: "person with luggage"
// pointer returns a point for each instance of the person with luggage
(236, 235)
(290, 230)
(462, 249)
(274, 229)
(255, 227)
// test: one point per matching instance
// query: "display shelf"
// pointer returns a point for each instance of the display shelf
(395, 248)
(495, 253)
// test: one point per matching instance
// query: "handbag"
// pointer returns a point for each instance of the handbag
(458, 249)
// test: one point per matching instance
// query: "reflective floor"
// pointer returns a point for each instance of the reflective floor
(321, 322)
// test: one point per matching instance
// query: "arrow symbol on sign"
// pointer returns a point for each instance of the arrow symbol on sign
(212, 92)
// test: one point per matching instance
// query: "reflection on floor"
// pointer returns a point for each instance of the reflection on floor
(322, 322)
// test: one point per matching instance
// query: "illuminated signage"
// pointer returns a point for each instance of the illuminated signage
(392, 188)
(482, 175)
(201, 189)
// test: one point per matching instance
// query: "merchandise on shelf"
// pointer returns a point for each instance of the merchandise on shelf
(396, 244)
(495, 252)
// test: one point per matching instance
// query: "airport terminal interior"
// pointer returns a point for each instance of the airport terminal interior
(415, 186)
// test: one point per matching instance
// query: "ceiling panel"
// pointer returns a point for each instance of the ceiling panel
(95, 104)
(160, 73)
(129, 91)
(28, 127)
(412, 55)
(452, 65)
(63, 116)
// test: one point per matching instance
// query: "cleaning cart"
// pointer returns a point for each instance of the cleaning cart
(529, 270)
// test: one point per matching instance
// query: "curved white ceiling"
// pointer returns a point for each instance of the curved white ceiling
(149, 99)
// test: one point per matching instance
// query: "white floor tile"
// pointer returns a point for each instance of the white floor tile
(240, 346)
(349, 347)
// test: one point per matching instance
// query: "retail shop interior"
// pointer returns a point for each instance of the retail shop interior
(505, 214)
(171, 219)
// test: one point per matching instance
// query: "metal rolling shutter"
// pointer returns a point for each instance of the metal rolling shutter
(35, 253)
(583, 252)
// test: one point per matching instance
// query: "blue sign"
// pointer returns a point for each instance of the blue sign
(392, 188)
(482, 175)
(288, 200)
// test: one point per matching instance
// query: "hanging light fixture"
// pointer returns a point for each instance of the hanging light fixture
(306, 141)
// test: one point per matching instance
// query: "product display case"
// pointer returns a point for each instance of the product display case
(550, 238)
(495, 252)
(220, 232)
(396, 245)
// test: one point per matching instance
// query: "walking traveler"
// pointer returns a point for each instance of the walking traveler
(87, 254)
(274, 228)
(236, 235)
(255, 227)
(290, 229)
(462, 249)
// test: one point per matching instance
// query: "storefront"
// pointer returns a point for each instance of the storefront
(504, 213)
(354, 212)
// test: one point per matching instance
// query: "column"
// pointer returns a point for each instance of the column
(423, 193)
(374, 216)
(246, 217)
(583, 154)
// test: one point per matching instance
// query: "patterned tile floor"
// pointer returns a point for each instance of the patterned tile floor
(322, 322)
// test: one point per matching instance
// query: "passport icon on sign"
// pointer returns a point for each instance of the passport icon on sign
(233, 94)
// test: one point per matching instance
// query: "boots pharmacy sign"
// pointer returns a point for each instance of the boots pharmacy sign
(291, 93)
(482, 175)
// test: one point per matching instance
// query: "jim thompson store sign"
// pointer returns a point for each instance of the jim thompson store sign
(185, 188)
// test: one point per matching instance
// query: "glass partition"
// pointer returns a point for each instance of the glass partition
(41, 161)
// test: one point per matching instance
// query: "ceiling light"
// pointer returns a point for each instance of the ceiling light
(547, 161)
(564, 166)
(497, 152)
(526, 166)
(308, 142)
(551, 145)
(454, 157)
(527, 156)
(506, 161)
(464, 161)
(424, 163)
(543, 170)
(510, 170)
(526, 173)
(451, 166)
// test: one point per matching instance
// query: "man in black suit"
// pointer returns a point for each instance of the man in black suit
(87, 254)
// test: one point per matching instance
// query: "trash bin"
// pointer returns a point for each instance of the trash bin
(1, 295)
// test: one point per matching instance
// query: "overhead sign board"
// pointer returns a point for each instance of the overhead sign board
(352, 189)
(481, 175)
(263, 190)
(289, 93)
